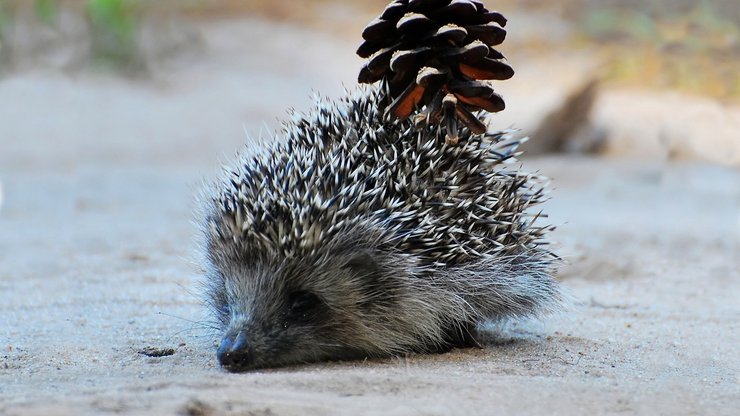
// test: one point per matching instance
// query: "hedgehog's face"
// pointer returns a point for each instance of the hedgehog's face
(302, 310)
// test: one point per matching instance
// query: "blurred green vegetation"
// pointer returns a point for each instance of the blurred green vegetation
(695, 49)
(47, 10)
(114, 26)
(4, 16)
(686, 45)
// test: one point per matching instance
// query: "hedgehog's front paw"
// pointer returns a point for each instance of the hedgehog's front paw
(461, 336)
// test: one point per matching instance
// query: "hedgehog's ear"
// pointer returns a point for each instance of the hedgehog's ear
(363, 264)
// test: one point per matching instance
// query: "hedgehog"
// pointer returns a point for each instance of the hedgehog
(361, 232)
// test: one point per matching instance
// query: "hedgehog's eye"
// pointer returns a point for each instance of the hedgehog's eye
(363, 264)
(302, 303)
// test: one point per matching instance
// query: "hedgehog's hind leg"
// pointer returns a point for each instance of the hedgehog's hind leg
(461, 335)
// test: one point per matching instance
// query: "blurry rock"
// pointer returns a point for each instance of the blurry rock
(569, 127)
(669, 126)
(27, 41)
(640, 124)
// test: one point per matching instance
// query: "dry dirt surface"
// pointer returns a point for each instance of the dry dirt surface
(99, 309)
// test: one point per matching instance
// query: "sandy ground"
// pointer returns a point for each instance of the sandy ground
(98, 180)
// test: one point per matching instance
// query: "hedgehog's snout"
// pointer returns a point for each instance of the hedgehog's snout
(235, 352)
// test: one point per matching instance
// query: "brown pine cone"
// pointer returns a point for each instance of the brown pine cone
(434, 54)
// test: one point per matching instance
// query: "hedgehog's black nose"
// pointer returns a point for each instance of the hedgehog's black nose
(234, 353)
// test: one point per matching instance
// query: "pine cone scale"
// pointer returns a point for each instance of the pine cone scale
(430, 76)
(470, 120)
(487, 69)
(412, 24)
(470, 88)
(394, 11)
(380, 62)
(494, 54)
(471, 53)
(449, 34)
(495, 17)
(405, 61)
(427, 5)
(459, 9)
(407, 102)
(367, 77)
(379, 29)
(493, 102)
(490, 34)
